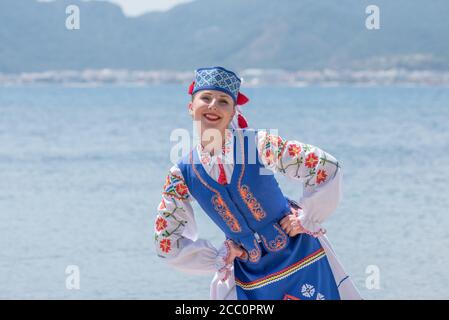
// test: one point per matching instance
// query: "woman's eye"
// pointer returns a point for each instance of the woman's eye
(224, 102)
(205, 98)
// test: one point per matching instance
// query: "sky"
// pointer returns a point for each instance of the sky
(138, 7)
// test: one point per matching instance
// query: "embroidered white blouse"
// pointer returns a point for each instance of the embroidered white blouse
(176, 236)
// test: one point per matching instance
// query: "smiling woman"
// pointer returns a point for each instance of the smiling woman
(275, 248)
(212, 109)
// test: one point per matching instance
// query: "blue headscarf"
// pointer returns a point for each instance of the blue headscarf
(221, 79)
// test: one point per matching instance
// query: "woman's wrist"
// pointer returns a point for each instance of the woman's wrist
(308, 226)
(223, 257)
(297, 222)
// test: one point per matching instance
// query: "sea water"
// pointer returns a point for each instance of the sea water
(82, 171)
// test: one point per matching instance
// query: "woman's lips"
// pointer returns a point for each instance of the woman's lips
(211, 117)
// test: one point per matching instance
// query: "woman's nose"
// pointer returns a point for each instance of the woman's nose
(212, 104)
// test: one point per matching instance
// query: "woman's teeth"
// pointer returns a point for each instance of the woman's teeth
(211, 117)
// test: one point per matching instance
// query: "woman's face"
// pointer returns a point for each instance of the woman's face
(213, 109)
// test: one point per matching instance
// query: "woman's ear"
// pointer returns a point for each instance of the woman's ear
(190, 108)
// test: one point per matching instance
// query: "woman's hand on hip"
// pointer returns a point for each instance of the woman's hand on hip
(234, 251)
(291, 224)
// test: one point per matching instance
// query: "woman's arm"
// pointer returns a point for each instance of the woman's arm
(176, 232)
(319, 172)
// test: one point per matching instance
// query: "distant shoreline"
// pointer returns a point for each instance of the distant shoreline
(251, 77)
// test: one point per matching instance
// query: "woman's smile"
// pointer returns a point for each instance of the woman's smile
(211, 117)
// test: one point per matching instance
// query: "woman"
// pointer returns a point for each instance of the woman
(275, 248)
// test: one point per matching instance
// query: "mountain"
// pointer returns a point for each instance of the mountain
(283, 34)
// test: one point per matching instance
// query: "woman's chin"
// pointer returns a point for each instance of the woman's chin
(212, 125)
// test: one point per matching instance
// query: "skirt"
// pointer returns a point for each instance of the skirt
(300, 271)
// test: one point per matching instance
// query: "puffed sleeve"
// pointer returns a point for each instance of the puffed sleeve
(176, 236)
(318, 171)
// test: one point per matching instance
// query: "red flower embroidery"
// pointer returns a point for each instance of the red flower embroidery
(161, 224)
(280, 141)
(276, 141)
(162, 205)
(181, 189)
(165, 245)
(311, 160)
(321, 176)
(269, 156)
(294, 149)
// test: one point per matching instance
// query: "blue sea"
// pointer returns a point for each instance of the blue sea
(82, 170)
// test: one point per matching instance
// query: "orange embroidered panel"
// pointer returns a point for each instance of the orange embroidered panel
(254, 254)
(278, 243)
(223, 211)
(251, 202)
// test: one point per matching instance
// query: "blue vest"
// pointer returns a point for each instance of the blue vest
(249, 207)
(248, 210)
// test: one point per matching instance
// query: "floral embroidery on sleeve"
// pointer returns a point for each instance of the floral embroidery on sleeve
(176, 235)
(297, 160)
(161, 224)
(176, 187)
(165, 245)
(272, 149)
(168, 225)
(171, 218)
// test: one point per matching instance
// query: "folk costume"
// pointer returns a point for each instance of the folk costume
(238, 191)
